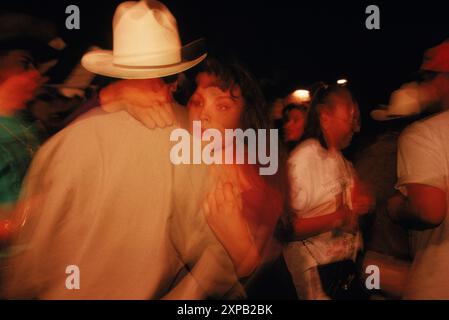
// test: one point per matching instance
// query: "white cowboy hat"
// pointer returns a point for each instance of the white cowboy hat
(146, 44)
(408, 100)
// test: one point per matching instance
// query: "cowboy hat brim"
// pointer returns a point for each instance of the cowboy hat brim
(101, 62)
(384, 115)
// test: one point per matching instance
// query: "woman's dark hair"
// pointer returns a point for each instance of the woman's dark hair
(323, 99)
(233, 74)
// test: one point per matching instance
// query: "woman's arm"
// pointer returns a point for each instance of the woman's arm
(309, 227)
(344, 218)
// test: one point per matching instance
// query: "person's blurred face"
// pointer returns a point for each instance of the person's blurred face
(15, 62)
(19, 80)
(341, 122)
(294, 126)
(215, 108)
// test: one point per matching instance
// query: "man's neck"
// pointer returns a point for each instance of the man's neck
(331, 144)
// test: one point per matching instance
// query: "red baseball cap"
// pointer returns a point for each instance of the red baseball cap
(437, 58)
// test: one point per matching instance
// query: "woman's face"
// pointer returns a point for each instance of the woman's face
(294, 126)
(213, 107)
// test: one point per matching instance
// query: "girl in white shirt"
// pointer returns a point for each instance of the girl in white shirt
(326, 199)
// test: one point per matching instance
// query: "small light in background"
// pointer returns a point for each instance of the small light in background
(303, 95)
(300, 96)
(342, 82)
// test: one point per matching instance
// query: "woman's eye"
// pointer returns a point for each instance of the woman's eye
(223, 107)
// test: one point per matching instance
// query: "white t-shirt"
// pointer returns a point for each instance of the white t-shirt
(320, 182)
(423, 157)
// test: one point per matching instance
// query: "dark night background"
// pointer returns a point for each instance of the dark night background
(290, 43)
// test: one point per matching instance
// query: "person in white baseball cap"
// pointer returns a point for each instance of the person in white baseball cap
(409, 100)
(430, 94)
(401, 155)
(108, 202)
(421, 203)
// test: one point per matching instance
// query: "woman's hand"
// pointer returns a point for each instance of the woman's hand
(223, 210)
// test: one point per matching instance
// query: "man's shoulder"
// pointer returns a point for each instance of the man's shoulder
(110, 127)
(438, 123)
(438, 117)
(99, 119)
(98, 133)
(434, 122)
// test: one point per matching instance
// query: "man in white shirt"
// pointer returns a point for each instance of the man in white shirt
(110, 217)
(423, 167)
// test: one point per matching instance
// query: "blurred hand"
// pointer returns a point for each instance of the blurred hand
(395, 204)
(362, 198)
(18, 216)
(223, 211)
(20, 88)
(148, 101)
(6, 230)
